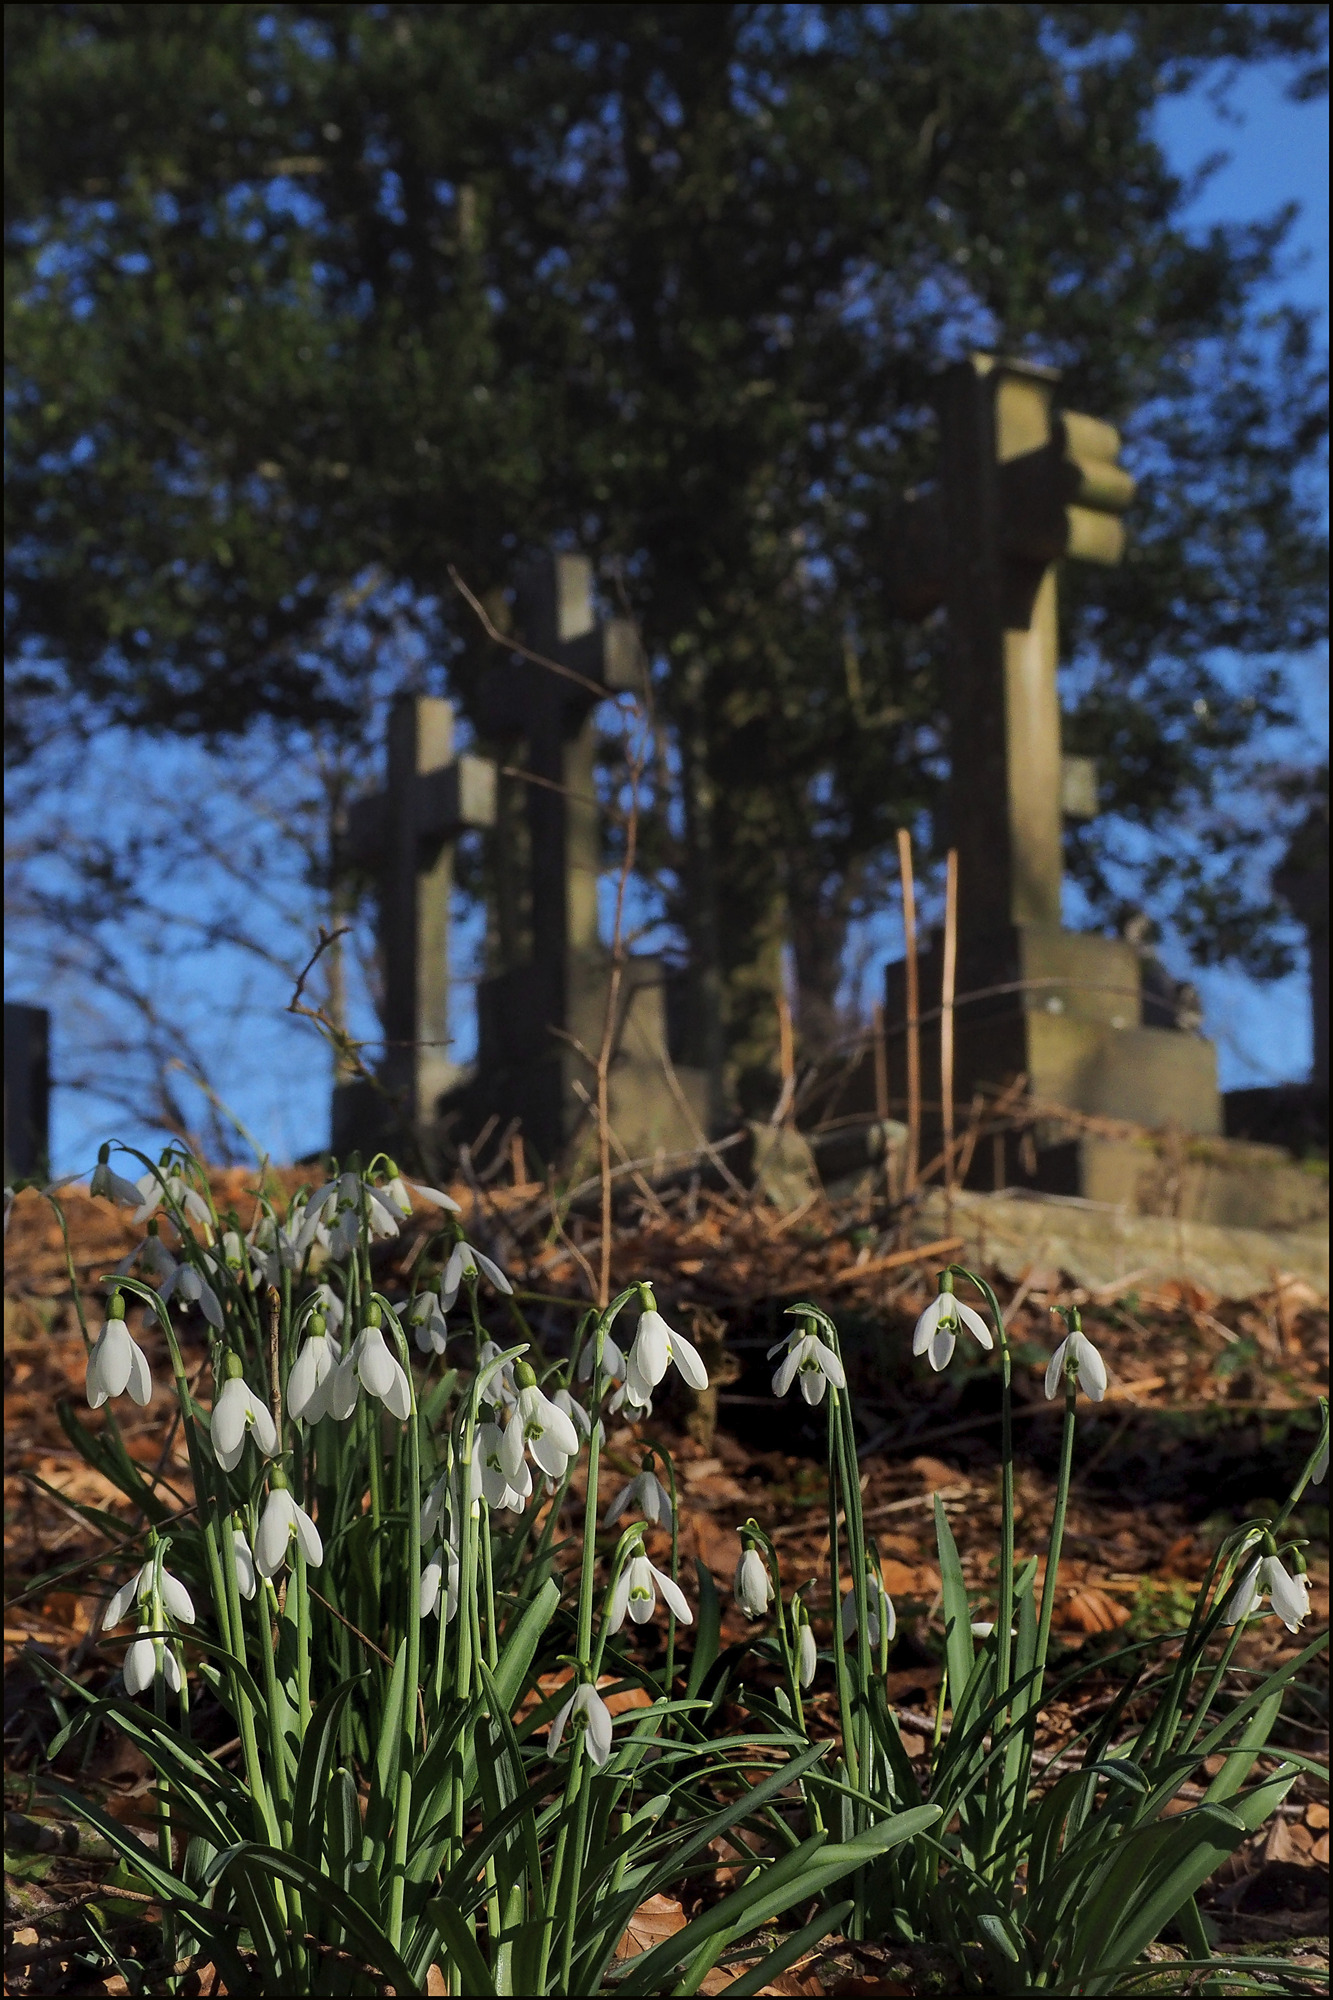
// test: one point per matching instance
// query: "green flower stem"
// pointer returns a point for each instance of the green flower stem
(241, 1703)
(488, 1592)
(840, 1672)
(570, 1897)
(1005, 1612)
(275, 1701)
(1051, 1579)
(669, 1672)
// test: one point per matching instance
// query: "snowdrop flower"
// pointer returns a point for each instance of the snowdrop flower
(281, 1519)
(584, 1710)
(646, 1492)
(440, 1507)
(466, 1261)
(140, 1668)
(1262, 1577)
(186, 1283)
(504, 1481)
(432, 1331)
(613, 1361)
(176, 1599)
(813, 1360)
(636, 1593)
(936, 1331)
(500, 1389)
(541, 1426)
(157, 1187)
(236, 1411)
(807, 1657)
(656, 1346)
(753, 1586)
(245, 1565)
(378, 1372)
(880, 1608)
(444, 1560)
(117, 1363)
(154, 1256)
(396, 1194)
(310, 1382)
(1076, 1350)
(577, 1415)
(106, 1181)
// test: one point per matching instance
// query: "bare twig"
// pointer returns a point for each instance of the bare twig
(913, 1013)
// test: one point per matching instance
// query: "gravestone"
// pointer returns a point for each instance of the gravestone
(1023, 485)
(540, 1016)
(404, 837)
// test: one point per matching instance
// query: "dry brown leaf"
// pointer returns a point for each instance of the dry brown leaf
(1288, 1842)
(1090, 1610)
(858, 1983)
(1316, 1815)
(660, 1917)
(436, 1981)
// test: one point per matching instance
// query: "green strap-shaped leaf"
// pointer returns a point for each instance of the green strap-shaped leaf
(314, 1770)
(708, 1629)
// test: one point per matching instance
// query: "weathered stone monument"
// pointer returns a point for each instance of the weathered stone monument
(404, 837)
(1024, 485)
(541, 1015)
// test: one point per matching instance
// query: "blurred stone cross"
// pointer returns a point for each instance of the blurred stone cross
(547, 999)
(404, 836)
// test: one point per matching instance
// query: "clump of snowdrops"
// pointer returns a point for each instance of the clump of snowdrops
(371, 1588)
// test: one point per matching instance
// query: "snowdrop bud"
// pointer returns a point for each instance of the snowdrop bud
(117, 1363)
(807, 1658)
(140, 1668)
(245, 1565)
(282, 1519)
(752, 1587)
(584, 1710)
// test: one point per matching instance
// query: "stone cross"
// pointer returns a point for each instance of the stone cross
(548, 999)
(1022, 485)
(405, 837)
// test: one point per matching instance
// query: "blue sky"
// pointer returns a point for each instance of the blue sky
(273, 1070)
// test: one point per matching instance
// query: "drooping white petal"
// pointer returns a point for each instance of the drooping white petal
(140, 1383)
(432, 1576)
(619, 1504)
(140, 1668)
(265, 1430)
(341, 1389)
(397, 1398)
(307, 1534)
(672, 1594)
(785, 1373)
(1244, 1599)
(276, 1525)
(558, 1722)
(228, 1426)
(807, 1657)
(436, 1196)
(309, 1369)
(976, 1326)
(1055, 1370)
(598, 1731)
(547, 1454)
(111, 1361)
(1288, 1594)
(686, 1357)
(492, 1270)
(651, 1352)
(616, 1609)
(245, 1565)
(926, 1324)
(121, 1603)
(942, 1344)
(1091, 1367)
(177, 1599)
(752, 1587)
(171, 1673)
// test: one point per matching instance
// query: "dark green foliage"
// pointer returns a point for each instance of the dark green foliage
(309, 295)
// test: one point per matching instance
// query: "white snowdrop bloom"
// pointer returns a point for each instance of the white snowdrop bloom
(613, 1361)
(157, 1187)
(646, 1492)
(140, 1668)
(397, 1194)
(505, 1484)
(936, 1331)
(106, 1181)
(439, 1508)
(656, 1347)
(319, 1213)
(499, 1389)
(443, 1564)
(879, 1607)
(345, 1234)
(188, 1284)
(636, 1593)
(466, 1261)
(176, 1599)
(576, 1413)
(542, 1427)
(584, 1710)
(432, 1330)
(1263, 1577)
(245, 1565)
(807, 1656)
(380, 1374)
(813, 1360)
(1077, 1348)
(117, 1363)
(236, 1411)
(753, 1586)
(280, 1520)
(309, 1383)
(155, 1258)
